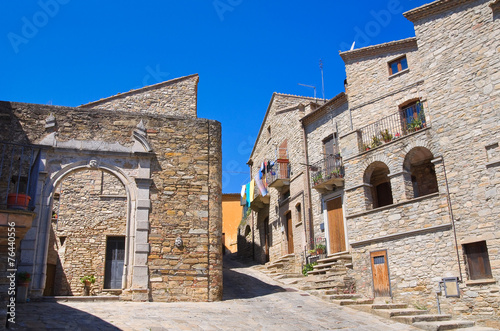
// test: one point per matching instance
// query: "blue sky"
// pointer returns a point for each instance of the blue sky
(69, 52)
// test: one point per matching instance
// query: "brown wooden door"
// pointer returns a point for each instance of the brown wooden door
(335, 225)
(289, 230)
(380, 272)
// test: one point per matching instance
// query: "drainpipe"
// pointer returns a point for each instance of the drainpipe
(307, 190)
(452, 218)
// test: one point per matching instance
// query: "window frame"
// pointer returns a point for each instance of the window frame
(398, 61)
(470, 251)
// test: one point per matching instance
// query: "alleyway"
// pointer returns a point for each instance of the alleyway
(252, 301)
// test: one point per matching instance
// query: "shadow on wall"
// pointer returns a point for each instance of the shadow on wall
(47, 315)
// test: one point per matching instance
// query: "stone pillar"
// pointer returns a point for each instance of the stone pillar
(398, 186)
(140, 280)
(440, 176)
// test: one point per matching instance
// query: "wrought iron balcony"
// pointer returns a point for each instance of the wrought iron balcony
(392, 127)
(327, 173)
(279, 175)
(18, 175)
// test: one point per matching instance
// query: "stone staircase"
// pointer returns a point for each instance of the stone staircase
(330, 281)
(284, 267)
(418, 317)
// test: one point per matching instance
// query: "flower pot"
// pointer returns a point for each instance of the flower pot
(18, 201)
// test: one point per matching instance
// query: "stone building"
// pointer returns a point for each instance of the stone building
(279, 221)
(232, 213)
(127, 189)
(402, 168)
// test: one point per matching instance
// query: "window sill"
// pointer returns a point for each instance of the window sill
(480, 281)
(399, 73)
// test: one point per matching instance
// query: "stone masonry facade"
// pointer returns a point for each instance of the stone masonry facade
(417, 131)
(147, 172)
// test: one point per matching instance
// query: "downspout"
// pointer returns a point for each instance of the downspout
(307, 189)
(452, 219)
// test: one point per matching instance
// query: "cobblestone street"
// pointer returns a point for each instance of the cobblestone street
(252, 301)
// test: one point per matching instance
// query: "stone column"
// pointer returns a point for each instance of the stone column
(140, 280)
(398, 186)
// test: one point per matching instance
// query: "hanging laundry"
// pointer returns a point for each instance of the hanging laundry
(247, 189)
(243, 200)
(252, 189)
(261, 186)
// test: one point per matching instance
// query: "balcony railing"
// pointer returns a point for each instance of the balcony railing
(18, 175)
(279, 172)
(393, 127)
(327, 173)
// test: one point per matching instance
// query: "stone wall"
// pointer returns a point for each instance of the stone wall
(453, 70)
(185, 191)
(332, 118)
(282, 123)
(176, 97)
(90, 206)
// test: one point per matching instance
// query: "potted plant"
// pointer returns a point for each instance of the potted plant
(23, 278)
(18, 201)
(87, 281)
(320, 249)
(386, 136)
(366, 147)
(375, 141)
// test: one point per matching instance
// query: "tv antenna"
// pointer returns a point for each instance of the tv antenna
(314, 87)
(322, 80)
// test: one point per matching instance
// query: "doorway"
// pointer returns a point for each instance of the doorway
(380, 272)
(266, 239)
(289, 231)
(115, 257)
(336, 232)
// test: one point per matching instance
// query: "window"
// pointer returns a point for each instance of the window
(477, 260)
(419, 172)
(398, 65)
(413, 116)
(379, 192)
(299, 213)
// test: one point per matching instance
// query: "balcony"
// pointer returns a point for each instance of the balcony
(327, 174)
(393, 127)
(18, 176)
(259, 201)
(279, 175)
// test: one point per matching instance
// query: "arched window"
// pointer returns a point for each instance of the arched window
(420, 176)
(379, 193)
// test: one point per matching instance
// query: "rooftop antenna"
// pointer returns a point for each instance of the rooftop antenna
(314, 87)
(322, 80)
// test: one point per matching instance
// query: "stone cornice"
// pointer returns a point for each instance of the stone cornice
(370, 51)
(433, 8)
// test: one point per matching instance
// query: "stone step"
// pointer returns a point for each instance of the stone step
(335, 292)
(388, 313)
(348, 302)
(443, 325)
(340, 296)
(334, 257)
(422, 318)
(328, 265)
(389, 306)
(90, 298)
(478, 328)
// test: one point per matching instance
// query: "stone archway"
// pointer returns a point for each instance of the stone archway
(133, 170)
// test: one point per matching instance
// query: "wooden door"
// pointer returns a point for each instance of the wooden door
(380, 272)
(266, 238)
(289, 230)
(50, 281)
(335, 225)
(115, 256)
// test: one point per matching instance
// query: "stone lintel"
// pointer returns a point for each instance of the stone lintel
(352, 188)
